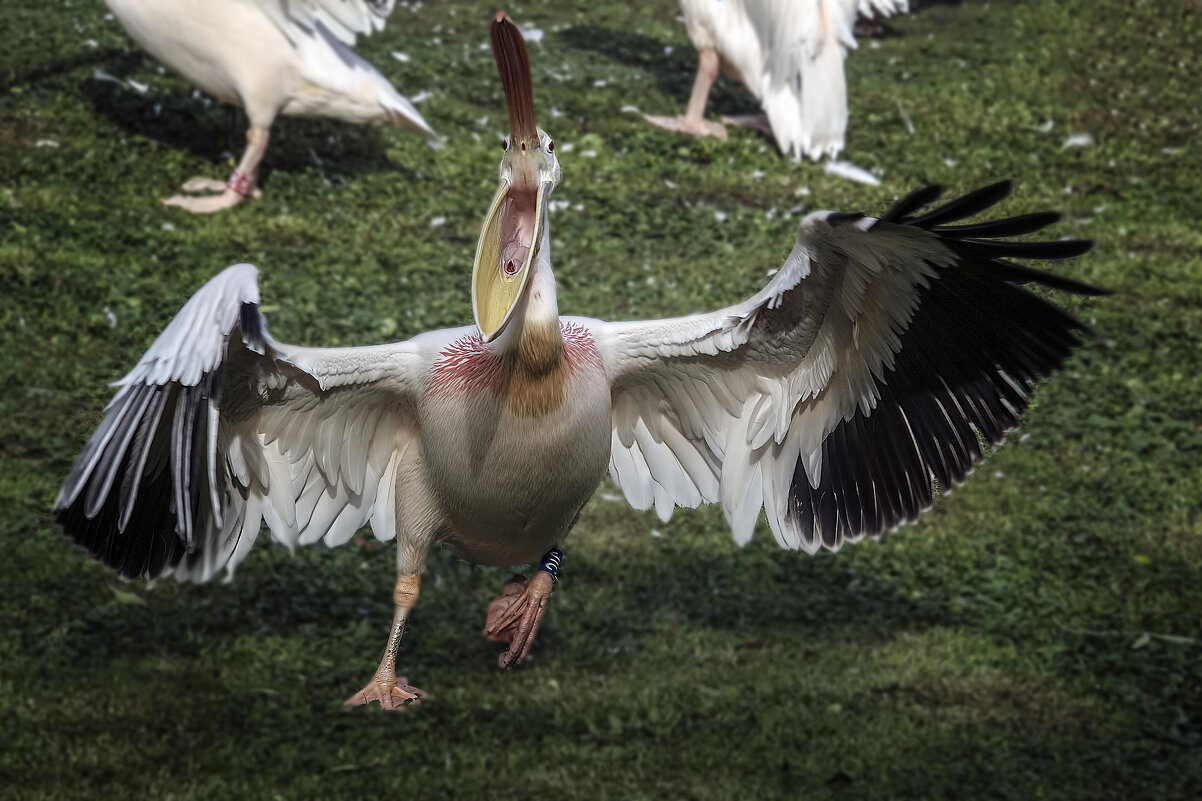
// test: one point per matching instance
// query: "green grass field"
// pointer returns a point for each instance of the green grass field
(1038, 635)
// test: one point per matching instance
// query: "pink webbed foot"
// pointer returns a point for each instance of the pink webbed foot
(700, 127)
(515, 615)
(226, 195)
(392, 693)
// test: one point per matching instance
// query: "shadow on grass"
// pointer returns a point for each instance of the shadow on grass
(222, 684)
(673, 71)
(211, 130)
(108, 58)
(342, 595)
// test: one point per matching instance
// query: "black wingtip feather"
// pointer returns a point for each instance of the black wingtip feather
(1010, 226)
(982, 243)
(913, 202)
(165, 471)
(968, 359)
(968, 205)
(146, 548)
(253, 327)
(1022, 274)
(844, 217)
(1057, 250)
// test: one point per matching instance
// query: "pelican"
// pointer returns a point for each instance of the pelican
(876, 364)
(789, 54)
(271, 57)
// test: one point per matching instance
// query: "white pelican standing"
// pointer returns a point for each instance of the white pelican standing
(789, 54)
(876, 362)
(290, 57)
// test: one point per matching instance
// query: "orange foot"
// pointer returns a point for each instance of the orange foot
(220, 195)
(686, 125)
(392, 693)
(515, 615)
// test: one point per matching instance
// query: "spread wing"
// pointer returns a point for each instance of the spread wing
(219, 428)
(879, 361)
(344, 19)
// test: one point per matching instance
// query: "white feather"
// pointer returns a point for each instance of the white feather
(789, 54)
(274, 56)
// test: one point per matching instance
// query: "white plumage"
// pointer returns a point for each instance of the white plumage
(290, 57)
(789, 54)
(868, 370)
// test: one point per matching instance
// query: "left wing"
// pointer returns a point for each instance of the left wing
(876, 364)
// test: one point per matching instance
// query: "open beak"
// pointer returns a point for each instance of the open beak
(513, 229)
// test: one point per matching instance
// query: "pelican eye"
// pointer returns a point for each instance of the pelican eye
(505, 143)
(550, 146)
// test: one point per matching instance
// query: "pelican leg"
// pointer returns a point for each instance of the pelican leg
(243, 181)
(693, 121)
(393, 692)
(515, 615)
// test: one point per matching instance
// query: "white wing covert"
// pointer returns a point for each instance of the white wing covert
(219, 428)
(345, 20)
(867, 371)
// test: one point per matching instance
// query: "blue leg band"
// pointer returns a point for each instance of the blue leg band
(551, 562)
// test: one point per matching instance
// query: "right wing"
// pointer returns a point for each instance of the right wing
(219, 428)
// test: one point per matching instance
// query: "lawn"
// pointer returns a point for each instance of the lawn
(1037, 635)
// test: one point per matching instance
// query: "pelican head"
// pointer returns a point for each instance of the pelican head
(516, 227)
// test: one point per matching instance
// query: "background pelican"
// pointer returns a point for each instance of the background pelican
(875, 364)
(271, 57)
(789, 54)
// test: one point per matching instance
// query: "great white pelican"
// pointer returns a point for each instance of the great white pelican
(290, 57)
(789, 54)
(879, 362)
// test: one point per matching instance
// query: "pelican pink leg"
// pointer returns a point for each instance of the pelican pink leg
(391, 691)
(693, 121)
(242, 182)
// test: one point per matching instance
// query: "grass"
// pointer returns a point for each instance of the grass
(1038, 635)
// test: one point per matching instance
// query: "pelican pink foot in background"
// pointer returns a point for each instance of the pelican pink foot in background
(244, 181)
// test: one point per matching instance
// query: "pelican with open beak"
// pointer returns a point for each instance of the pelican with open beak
(878, 363)
(513, 299)
(513, 236)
